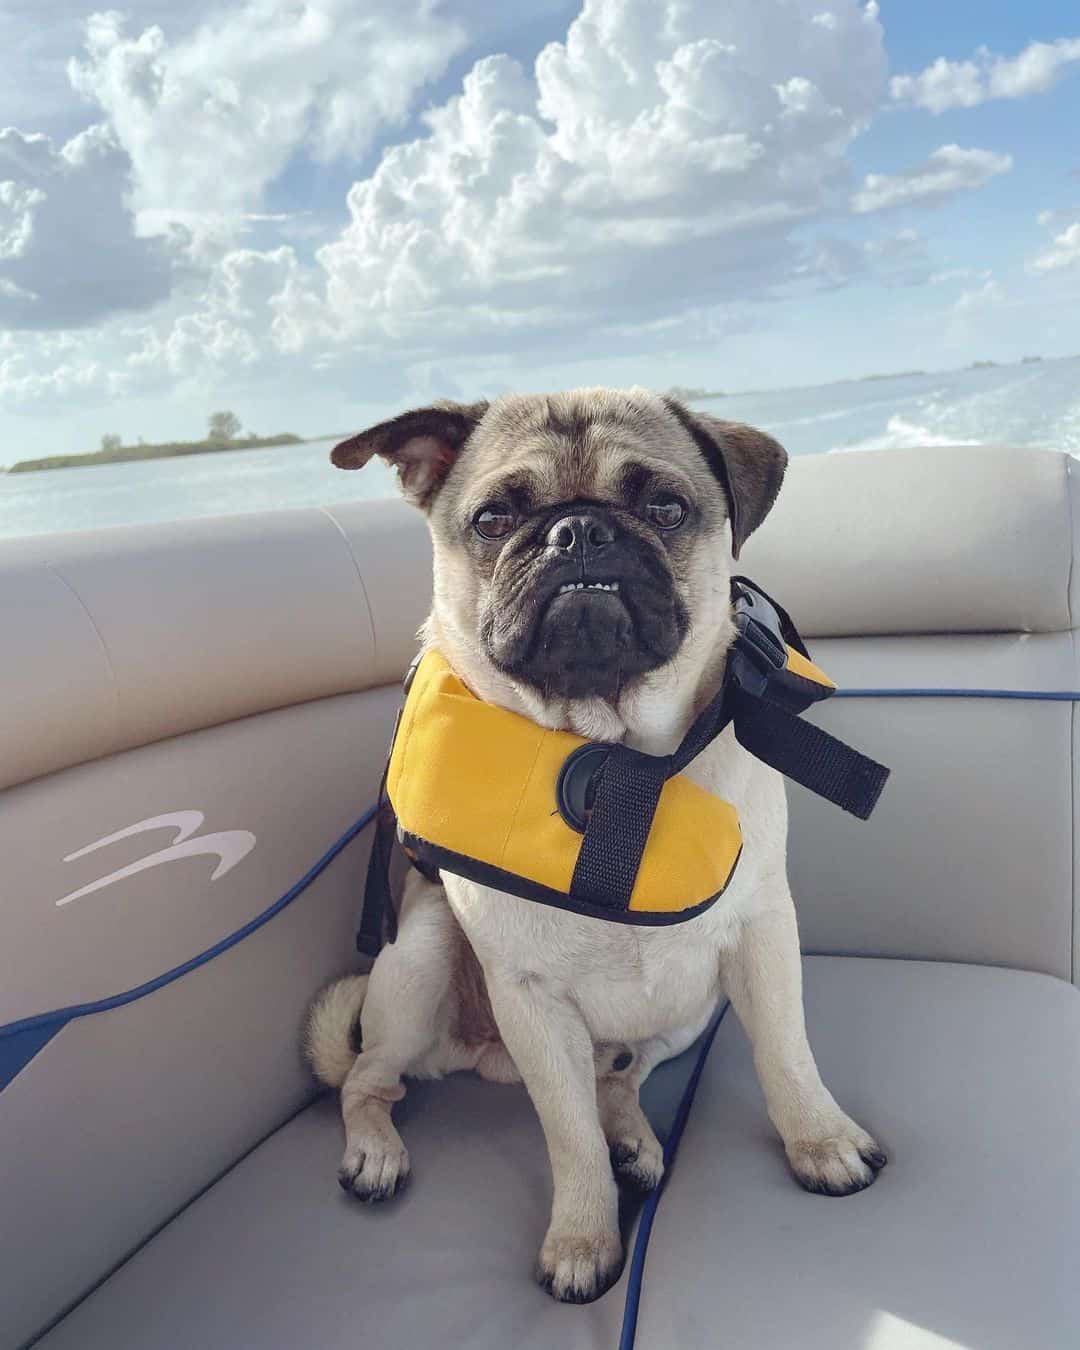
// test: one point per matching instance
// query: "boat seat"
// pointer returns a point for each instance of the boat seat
(196, 722)
(970, 1076)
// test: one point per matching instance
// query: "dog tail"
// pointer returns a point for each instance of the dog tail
(332, 1034)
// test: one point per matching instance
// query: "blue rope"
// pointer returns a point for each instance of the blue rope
(60, 1016)
(648, 1213)
(1035, 695)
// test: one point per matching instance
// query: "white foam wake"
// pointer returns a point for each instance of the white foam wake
(899, 433)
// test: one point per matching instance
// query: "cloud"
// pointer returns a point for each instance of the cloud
(641, 188)
(1063, 252)
(655, 162)
(68, 253)
(945, 84)
(211, 119)
(900, 259)
(949, 170)
(989, 295)
(17, 206)
(948, 274)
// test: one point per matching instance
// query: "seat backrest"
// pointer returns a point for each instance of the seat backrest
(948, 570)
(193, 714)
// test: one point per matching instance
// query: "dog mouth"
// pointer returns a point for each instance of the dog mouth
(569, 586)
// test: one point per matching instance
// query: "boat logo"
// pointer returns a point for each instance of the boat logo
(228, 846)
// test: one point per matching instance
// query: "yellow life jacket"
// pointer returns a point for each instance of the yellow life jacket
(596, 828)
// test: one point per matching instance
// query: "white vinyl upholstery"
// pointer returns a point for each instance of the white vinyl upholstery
(245, 669)
(970, 1079)
(935, 540)
(116, 638)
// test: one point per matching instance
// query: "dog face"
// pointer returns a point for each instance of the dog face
(579, 538)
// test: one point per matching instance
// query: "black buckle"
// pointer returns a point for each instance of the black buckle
(575, 790)
(760, 630)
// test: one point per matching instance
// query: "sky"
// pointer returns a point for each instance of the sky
(318, 212)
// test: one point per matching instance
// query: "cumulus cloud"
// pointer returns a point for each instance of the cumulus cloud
(965, 84)
(1063, 252)
(949, 170)
(209, 120)
(656, 160)
(68, 254)
(987, 296)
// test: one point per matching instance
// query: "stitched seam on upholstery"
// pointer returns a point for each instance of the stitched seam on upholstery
(98, 634)
(363, 586)
(1067, 470)
(1072, 841)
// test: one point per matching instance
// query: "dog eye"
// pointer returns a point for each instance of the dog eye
(666, 513)
(494, 521)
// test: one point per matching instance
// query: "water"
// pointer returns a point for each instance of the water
(1033, 406)
(148, 491)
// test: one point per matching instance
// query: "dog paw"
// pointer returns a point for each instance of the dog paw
(844, 1161)
(375, 1170)
(638, 1160)
(579, 1267)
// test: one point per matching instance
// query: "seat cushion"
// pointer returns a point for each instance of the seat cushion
(275, 1256)
(970, 1079)
(968, 1075)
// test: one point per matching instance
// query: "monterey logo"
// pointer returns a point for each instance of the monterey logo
(228, 846)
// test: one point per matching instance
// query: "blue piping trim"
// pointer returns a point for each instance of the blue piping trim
(648, 1213)
(55, 1020)
(636, 1276)
(18, 1050)
(1035, 695)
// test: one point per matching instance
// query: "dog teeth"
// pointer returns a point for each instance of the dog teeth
(592, 586)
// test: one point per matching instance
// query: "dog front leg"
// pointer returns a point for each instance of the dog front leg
(546, 1035)
(762, 975)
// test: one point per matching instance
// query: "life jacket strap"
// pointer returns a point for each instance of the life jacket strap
(809, 756)
(627, 790)
(378, 914)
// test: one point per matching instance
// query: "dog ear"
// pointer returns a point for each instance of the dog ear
(749, 464)
(422, 445)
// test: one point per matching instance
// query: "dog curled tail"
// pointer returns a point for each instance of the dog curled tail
(332, 1031)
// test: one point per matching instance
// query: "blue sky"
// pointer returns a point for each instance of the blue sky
(319, 211)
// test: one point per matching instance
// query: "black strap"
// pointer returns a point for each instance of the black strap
(627, 792)
(810, 756)
(378, 897)
(705, 728)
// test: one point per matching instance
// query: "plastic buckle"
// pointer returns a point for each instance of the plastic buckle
(574, 790)
(759, 630)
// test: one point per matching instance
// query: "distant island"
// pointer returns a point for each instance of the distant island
(122, 454)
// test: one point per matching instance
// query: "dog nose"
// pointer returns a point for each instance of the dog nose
(585, 534)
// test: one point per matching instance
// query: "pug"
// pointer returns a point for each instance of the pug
(583, 551)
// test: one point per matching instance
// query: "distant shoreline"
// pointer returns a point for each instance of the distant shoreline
(125, 454)
(704, 395)
(171, 449)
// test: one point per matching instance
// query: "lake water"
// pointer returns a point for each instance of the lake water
(1032, 406)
